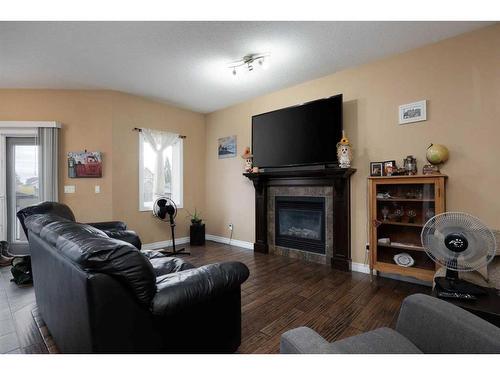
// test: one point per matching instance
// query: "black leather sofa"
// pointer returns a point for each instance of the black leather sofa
(114, 229)
(98, 294)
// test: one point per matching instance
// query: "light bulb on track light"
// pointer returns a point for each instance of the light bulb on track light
(249, 60)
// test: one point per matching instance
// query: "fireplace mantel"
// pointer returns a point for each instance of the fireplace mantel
(338, 178)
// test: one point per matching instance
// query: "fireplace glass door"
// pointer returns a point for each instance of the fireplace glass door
(300, 223)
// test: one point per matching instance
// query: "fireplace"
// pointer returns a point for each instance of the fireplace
(300, 223)
(332, 186)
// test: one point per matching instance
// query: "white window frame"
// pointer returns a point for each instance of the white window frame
(22, 131)
(180, 154)
(14, 129)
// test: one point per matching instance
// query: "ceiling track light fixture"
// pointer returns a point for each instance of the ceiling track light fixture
(249, 61)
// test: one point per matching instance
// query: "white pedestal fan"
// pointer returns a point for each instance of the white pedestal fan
(461, 243)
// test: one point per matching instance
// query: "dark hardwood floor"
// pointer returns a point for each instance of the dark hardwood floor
(280, 294)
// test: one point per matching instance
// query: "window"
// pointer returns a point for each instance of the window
(22, 182)
(160, 167)
(28, 173)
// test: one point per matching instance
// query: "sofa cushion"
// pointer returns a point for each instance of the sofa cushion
(125, 235)
(164, 265)
(94, 251)
(180, 290)
(379, 341)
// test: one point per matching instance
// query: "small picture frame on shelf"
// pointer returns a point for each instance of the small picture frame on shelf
(376, 169)
(389, 167)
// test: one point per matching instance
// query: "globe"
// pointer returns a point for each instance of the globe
(437, 154)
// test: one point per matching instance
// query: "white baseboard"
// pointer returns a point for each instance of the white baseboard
(163, 244)
(238, 243)
(360, 267)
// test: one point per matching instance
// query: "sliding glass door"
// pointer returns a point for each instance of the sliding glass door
(22, 187)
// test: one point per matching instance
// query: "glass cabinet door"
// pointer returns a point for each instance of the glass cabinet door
(401, 211)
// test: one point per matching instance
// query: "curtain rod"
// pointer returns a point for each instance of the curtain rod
(140, 130)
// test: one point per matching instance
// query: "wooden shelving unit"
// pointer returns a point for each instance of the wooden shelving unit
(422, 197)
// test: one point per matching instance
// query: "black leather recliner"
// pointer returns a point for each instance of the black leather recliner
(114, 229)
(102, 295)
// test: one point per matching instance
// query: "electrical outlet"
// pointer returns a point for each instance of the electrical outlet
(230, 226)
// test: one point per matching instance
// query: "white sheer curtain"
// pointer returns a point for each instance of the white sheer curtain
(159, 141)
(48, 151)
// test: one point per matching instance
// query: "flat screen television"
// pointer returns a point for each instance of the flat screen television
(305, 134)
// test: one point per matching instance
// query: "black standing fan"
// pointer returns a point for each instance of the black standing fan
(165, 209)
(461, 243)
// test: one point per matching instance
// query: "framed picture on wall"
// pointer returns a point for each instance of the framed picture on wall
(227, 147)
(84, 164)
(376, 169)
(413, 112)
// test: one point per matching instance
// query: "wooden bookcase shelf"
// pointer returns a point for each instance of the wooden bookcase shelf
(404, 200)
(402, 247)
(418, 198)
(402, 223)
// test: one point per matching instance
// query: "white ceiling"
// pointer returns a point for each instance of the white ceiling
(184, 63)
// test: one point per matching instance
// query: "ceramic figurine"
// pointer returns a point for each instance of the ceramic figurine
(248, 160)
(344, 152)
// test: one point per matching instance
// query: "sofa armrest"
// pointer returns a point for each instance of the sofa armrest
(303, 340)
(180, 290)
(125, 235)
(164, 265)
(109, 225)
(436, 326)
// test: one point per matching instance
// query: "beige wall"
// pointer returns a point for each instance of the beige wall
(103, 121)
(130, 112)
(84, 114)
(459, 77)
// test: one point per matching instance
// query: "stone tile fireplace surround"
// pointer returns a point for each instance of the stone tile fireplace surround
(330, 183)
(325, 192)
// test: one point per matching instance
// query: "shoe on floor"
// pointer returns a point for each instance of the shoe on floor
(5, 261)
(4, 249)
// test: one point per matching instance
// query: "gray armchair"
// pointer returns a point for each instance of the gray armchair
(425, 325)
